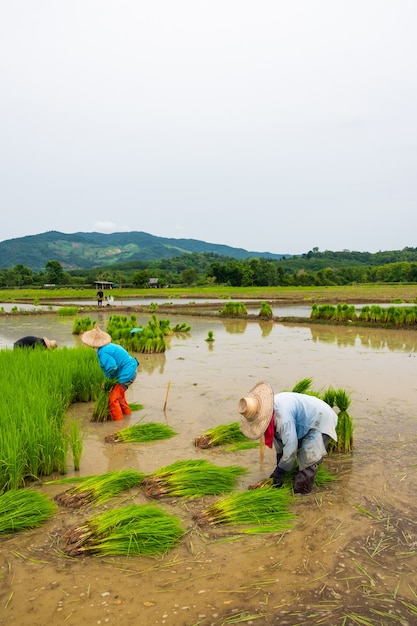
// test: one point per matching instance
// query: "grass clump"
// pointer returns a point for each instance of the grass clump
(191, 479)
(137, 529)
(142, 433)
(256, 511)
(225, 434)
(234, 309)
(65, 311)
(36, 437)
(82, 324)
(98, 489)
(24, 508)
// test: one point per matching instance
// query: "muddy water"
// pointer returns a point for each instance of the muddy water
(353, 551)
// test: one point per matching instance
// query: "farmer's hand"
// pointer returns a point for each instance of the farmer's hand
(278, 476)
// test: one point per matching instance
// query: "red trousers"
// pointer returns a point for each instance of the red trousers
(118, 405)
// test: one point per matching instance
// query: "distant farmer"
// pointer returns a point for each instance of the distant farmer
(117, 364)
(32, 342)
(100, 297)
(298, 425)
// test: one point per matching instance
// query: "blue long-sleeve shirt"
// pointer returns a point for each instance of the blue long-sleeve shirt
(116, 362)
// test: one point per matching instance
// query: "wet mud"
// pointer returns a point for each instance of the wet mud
(351, 556)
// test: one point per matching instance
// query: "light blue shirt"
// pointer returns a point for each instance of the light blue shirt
(301, 418)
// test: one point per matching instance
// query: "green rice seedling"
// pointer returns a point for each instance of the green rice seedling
(303, 385)
(67, 311)
(329, 396)
(181, 328)
(136, 529)
(265, 310)
(210, 336)
(344, 428)
(81, 325)
(34, 440)
(191, 479)
(222, 435)
(101, 411)
(234, 308)
(141, 433)
(24, 508)
(256, 511)
(98, 489)
(322, 477)
(75, 441)
(135, 406)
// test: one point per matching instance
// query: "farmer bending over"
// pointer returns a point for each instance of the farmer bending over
(31, 341)
(117, 364)
(297, 424)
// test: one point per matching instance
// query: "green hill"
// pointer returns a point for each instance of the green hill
(88, 250)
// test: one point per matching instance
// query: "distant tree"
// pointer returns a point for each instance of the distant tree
(54, 273)
(188, 276)
(141, 279)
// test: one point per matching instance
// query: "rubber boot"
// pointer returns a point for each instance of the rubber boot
(304, 479)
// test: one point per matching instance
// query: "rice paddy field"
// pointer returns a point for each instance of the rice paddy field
(349, 555)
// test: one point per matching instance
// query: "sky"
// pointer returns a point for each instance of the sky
(270, 125)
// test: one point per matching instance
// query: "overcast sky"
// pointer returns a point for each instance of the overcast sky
(269, 125)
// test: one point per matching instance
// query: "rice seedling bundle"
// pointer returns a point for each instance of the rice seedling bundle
(98, 489)
(24, 508)
(142, 529)
(322, 477)
(344, 427)
(224, 434)
(191, 479)
(81, 325)
(234, 308)
(254, 511)
(101, 411)
(141, 433)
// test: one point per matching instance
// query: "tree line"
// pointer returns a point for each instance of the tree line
(197, 269)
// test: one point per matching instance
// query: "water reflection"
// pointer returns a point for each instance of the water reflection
(235, 327)
(266, 327)
(151, 363)
(375, 339)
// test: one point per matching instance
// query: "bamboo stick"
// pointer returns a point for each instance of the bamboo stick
(166, 397)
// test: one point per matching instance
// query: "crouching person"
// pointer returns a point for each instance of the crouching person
(297, 425)
(117, 364)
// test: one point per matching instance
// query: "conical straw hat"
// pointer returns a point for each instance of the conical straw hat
(95, 338)
(256, 410)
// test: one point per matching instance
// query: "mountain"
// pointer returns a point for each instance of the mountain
(87, 250)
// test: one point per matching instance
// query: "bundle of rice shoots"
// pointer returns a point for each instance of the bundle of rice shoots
(191, 479)
(136, 529)
(101, 412)
(141, 433)
(344, 428)
(303, 385)
(253, 511)
(98, 489)
(323, 477)
(224, 434)
(24, 508)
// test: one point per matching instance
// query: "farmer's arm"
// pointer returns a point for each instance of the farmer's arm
(288, 435)
(107, 364)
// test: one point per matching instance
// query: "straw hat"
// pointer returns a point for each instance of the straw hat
(95, 338)
(50, 343)
(256, 410)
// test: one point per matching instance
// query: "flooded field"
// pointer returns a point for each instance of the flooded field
(351, 557)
